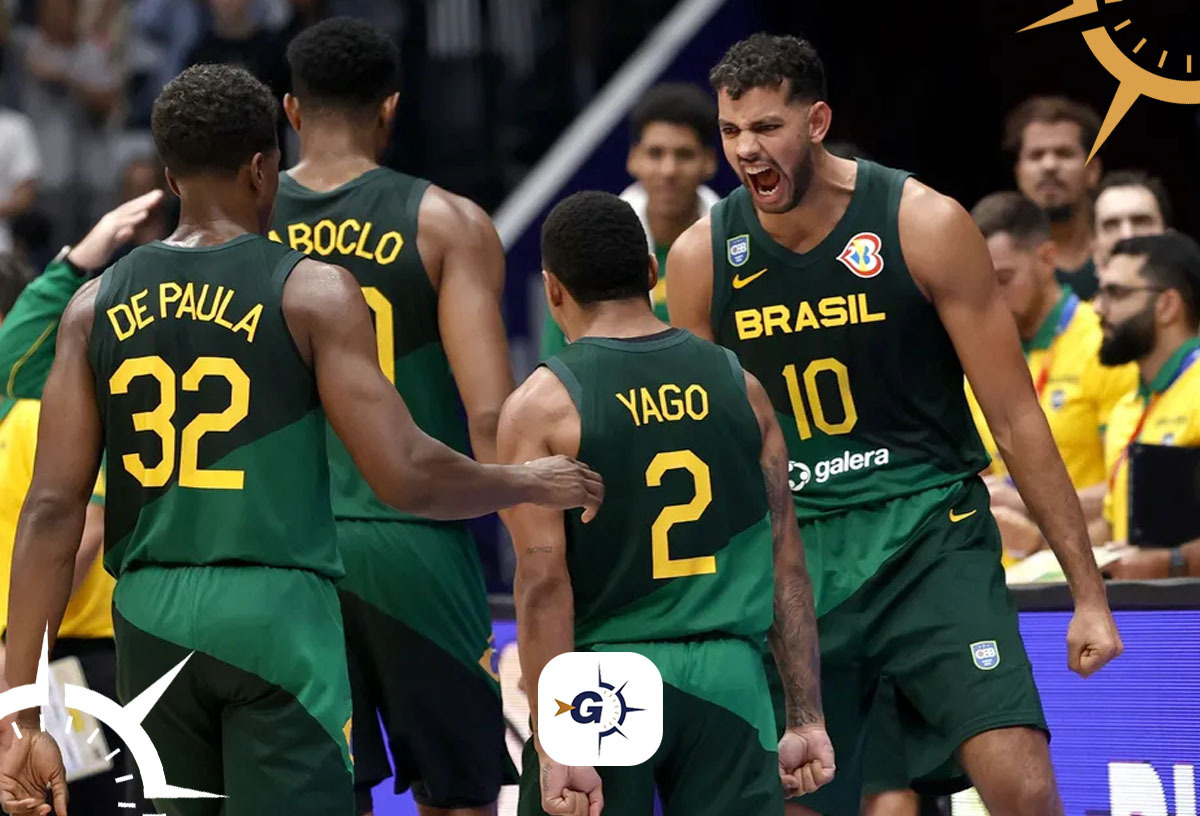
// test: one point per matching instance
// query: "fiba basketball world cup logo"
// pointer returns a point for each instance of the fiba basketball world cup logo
(600, 708)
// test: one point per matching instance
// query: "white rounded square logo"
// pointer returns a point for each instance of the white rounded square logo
(600, 708)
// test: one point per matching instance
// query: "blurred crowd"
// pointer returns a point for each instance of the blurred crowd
(78, 79)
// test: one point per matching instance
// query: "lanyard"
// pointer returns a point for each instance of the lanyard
(1064, 320)
(1141, 423)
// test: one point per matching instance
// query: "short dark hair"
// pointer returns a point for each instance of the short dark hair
(344, 64)
(1140, 178)
(1011, 213)
(14, 275)
(213, 119)
(1050, 110)
(676, 103)
(766, 61)
(594, 243)
(1172, 262)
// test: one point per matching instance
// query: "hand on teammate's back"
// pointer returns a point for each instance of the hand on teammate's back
(112, 230)
(29, 766)
(1092, 639)
(567, 484)
(570, 790)
(805, 760)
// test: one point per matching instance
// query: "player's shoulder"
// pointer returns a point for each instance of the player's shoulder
(694, 244)
(452, 216)
(318, 287)
(81, 308)
(923, 206)
(538, 406)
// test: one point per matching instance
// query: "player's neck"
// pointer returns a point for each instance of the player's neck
(618, 318)
(1051, 294)
(1169, 341)
(208, 217)
(1073, 239)
(820, 209)
(666, 227)
(333, 154)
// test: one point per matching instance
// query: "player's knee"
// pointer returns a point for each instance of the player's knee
(1036, 795)
(891, 803)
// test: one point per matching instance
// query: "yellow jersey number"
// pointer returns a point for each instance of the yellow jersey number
(381, 308)
(664, 565)
(159, 420)
(819, 417)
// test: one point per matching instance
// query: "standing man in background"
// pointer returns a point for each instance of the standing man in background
(1130, 203)
(432, 270)
(1050, 137)
(671, 158)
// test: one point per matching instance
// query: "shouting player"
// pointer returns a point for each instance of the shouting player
(432, 269)
(858, 297)
(681, 570)
(204, 366)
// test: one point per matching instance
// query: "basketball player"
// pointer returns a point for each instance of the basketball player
(858, 297)
(204, 367)
(671, 157)
(432, 269)
(681, 571)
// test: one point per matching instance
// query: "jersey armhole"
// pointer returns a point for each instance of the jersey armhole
(559, 369)
(284, 268)
(721, 293)
(735, 369)
(895, 193)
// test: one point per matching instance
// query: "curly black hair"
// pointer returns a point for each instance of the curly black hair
(676, 103)
(766, 61)
(594, 243)
(343, 64)
(213, 119)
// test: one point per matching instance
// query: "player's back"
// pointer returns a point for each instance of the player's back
(369, 226)
(213, 427)
(682, 546)
(862, 374)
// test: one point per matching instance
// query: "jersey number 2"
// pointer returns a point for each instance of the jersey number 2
(664, 565)
(159, 420)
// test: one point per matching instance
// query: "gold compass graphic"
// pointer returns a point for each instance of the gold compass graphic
(1145, 47)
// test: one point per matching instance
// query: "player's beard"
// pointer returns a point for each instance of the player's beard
(1131, 340)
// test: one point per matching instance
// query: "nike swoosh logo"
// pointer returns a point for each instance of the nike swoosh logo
(739, 282)
(957, 518)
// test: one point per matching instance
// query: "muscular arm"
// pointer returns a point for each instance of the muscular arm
(949, 260)
(689, 297)
(793, 636)
(458, 243)
(52, 520)
(405, 467)
(538, 420)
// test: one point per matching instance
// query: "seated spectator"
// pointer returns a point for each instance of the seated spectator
(20, 167)
(1061, 338)
(671, 157)
(1050, 137)
(1149, 307)
(1130, 203)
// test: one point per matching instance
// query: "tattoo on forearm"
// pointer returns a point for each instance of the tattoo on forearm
(539, 549)
(793, 636)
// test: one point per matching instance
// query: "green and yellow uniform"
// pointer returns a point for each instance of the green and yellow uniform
(29, 331)
(676, 566)
(218, 528)
(1165, 412)
(1075, 391)
(884, 455)
(414, 592)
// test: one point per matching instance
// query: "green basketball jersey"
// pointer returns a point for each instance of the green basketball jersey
(863, 376)
(682, 546)
(213, 428)
(369, 226)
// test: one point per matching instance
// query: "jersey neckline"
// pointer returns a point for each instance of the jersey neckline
(834, 238)
(232, 242)
(647, 342)
(293, 186)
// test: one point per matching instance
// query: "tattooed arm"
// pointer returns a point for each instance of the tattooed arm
(805, 752)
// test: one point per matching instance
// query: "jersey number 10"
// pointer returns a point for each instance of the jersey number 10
(819, 418)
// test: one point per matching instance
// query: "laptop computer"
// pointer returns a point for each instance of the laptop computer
(1164, 495)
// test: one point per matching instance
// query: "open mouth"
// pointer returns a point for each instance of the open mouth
(764, 180)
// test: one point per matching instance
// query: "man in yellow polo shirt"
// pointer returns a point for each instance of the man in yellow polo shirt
(1149, 306)
(1061, 337)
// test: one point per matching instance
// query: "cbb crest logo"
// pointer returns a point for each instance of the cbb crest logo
(617, 721)
(862, 255)
(738, 250)
(985, 654)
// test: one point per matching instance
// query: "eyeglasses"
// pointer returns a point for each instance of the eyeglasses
(1118, 291)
